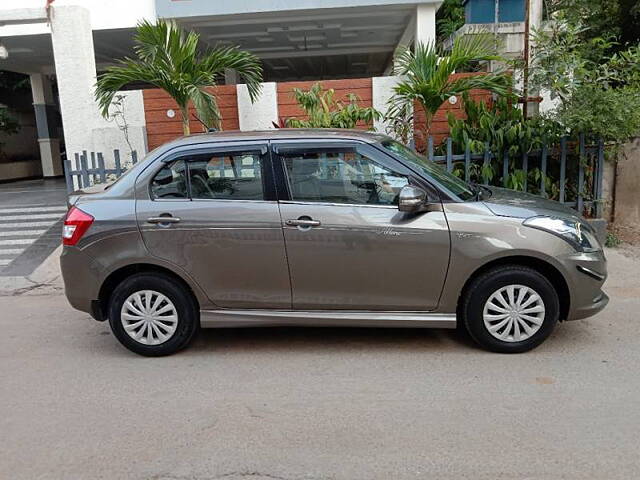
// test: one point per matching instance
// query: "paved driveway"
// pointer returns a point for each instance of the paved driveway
(320, 403)
(31, 215)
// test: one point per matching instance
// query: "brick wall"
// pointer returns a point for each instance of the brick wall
(440, 125)
(161, 128)
(288, 108)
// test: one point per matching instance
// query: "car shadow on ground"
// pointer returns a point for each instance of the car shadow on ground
(299, 340)
(322, 339)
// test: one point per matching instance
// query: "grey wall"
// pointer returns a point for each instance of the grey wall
(627, 198)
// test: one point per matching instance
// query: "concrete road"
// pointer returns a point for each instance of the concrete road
(320, 403)
(31, 213)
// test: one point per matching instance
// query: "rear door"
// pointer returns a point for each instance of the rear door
(348, 245)
(213, 213)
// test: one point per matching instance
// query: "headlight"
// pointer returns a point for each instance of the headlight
(578, 234)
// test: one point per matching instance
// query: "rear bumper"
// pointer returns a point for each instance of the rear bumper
(81, 275)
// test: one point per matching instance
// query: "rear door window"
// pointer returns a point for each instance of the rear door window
(227, 176)
(170, 182)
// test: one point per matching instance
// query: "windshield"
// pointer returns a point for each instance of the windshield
(452, 183)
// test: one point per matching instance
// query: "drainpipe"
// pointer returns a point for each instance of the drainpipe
(525, 77)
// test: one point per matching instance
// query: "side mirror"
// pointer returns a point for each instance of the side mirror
(412, 199)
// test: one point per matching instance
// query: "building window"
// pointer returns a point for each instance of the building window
(483, 11)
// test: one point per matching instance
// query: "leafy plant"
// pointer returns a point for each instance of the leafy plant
(118, 115)
(169, 58)
(596, 82)
(12, 82)
(499, 126)
(612, 114)
(400, 124)
(618, 19)
(612, 240)
(324, 111)
(427, 74)
(8, 124)
(516, 180)
(449, 18)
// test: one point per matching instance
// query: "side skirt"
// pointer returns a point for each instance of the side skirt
(324, 318)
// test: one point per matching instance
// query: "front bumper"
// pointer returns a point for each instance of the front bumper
(585, 275)
(585, 311)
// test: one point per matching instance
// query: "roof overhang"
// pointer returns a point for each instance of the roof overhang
(200, 8)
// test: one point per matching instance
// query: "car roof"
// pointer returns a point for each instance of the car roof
(278, 134)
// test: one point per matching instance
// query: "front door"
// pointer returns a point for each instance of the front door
(213, 213)
(348, 245)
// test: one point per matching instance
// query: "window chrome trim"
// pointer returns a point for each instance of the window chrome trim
(330, 204)
(170, 199)
(260, 147)
(237, 200)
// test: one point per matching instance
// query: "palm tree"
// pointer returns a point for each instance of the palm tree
(427, 71)
(169, 58)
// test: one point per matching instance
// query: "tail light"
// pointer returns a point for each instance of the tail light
(75, 225)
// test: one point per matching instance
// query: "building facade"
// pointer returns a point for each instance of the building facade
(63, 44)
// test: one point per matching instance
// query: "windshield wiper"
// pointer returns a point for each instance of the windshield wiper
(478, 191)
(488, 190)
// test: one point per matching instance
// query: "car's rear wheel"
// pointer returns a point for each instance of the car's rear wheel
(152, 314)
(510, 309)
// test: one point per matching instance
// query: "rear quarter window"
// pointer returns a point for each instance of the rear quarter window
(170, 182)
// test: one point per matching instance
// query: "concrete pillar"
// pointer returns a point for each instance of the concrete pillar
(425, 22)
(230, 76)
(382, 91)
(535, 23)
(535, 14)
(48, 141)
(74, 56)
(261, 114)
(421, 28)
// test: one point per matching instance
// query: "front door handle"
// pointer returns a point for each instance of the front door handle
(303, 222)
(163, 219)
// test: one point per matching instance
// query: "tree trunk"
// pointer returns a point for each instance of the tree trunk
(185, 120)
(428, 120)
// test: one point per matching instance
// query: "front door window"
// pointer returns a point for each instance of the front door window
(345, 177)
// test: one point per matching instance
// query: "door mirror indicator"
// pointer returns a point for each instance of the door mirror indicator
(412, 199)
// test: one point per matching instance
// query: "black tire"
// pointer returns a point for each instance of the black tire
(480, 290)
(183, 301)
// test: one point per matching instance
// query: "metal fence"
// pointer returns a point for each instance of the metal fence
(570, 172)
(90, 169)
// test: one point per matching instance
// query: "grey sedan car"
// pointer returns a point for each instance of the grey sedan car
(321, 227)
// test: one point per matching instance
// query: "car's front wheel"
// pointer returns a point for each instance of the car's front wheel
(152, 314)
(510, 309)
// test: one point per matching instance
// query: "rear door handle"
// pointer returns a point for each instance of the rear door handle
(302, 222)
(167, 219)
